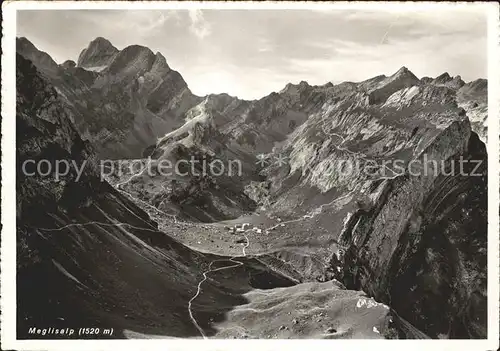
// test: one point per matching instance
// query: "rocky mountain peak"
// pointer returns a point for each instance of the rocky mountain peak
(23, 42)
(443, 78)
(136, 99)
(101, 42)
(403, 69)
(473, 98)
(132, 60)
(98, 53)
(449, 81)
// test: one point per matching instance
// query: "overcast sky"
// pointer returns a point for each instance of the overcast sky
(250, 53)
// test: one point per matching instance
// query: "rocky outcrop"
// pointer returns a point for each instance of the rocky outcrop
(423, 254)
(349, 203)
(445, 79)
(426, 80)
(113, 268)
(68, 64)
(193, 191)
(64, 226)
(403, 78)
(122, 101)
(398, 235)
(40, 58)
(473, 98)
(233, 131)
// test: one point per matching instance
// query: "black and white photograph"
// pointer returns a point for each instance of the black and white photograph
(213, 171)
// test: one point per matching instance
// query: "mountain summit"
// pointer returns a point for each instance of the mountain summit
(38, 57)
(99, 53)
(121, 100)
(415, 242)
(403, 78)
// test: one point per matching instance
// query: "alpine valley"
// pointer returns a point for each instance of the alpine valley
(291, 246)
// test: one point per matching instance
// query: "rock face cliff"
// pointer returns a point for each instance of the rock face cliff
(380, 185)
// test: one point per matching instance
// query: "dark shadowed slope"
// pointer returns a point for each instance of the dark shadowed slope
(121, 101)
(415, 236)
(397, 235)
(418, 236)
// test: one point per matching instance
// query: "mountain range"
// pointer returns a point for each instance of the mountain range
(325, 253)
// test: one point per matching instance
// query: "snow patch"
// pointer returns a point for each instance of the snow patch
(402, 97)
(95, 68)
(66, 273)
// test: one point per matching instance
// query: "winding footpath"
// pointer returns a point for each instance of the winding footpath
(238, 263)
(154, 208)
(205, 277)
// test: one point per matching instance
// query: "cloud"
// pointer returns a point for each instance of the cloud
(427, 55)
(264, 45)
(142, 22)
(155, 20)
(199, 26)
